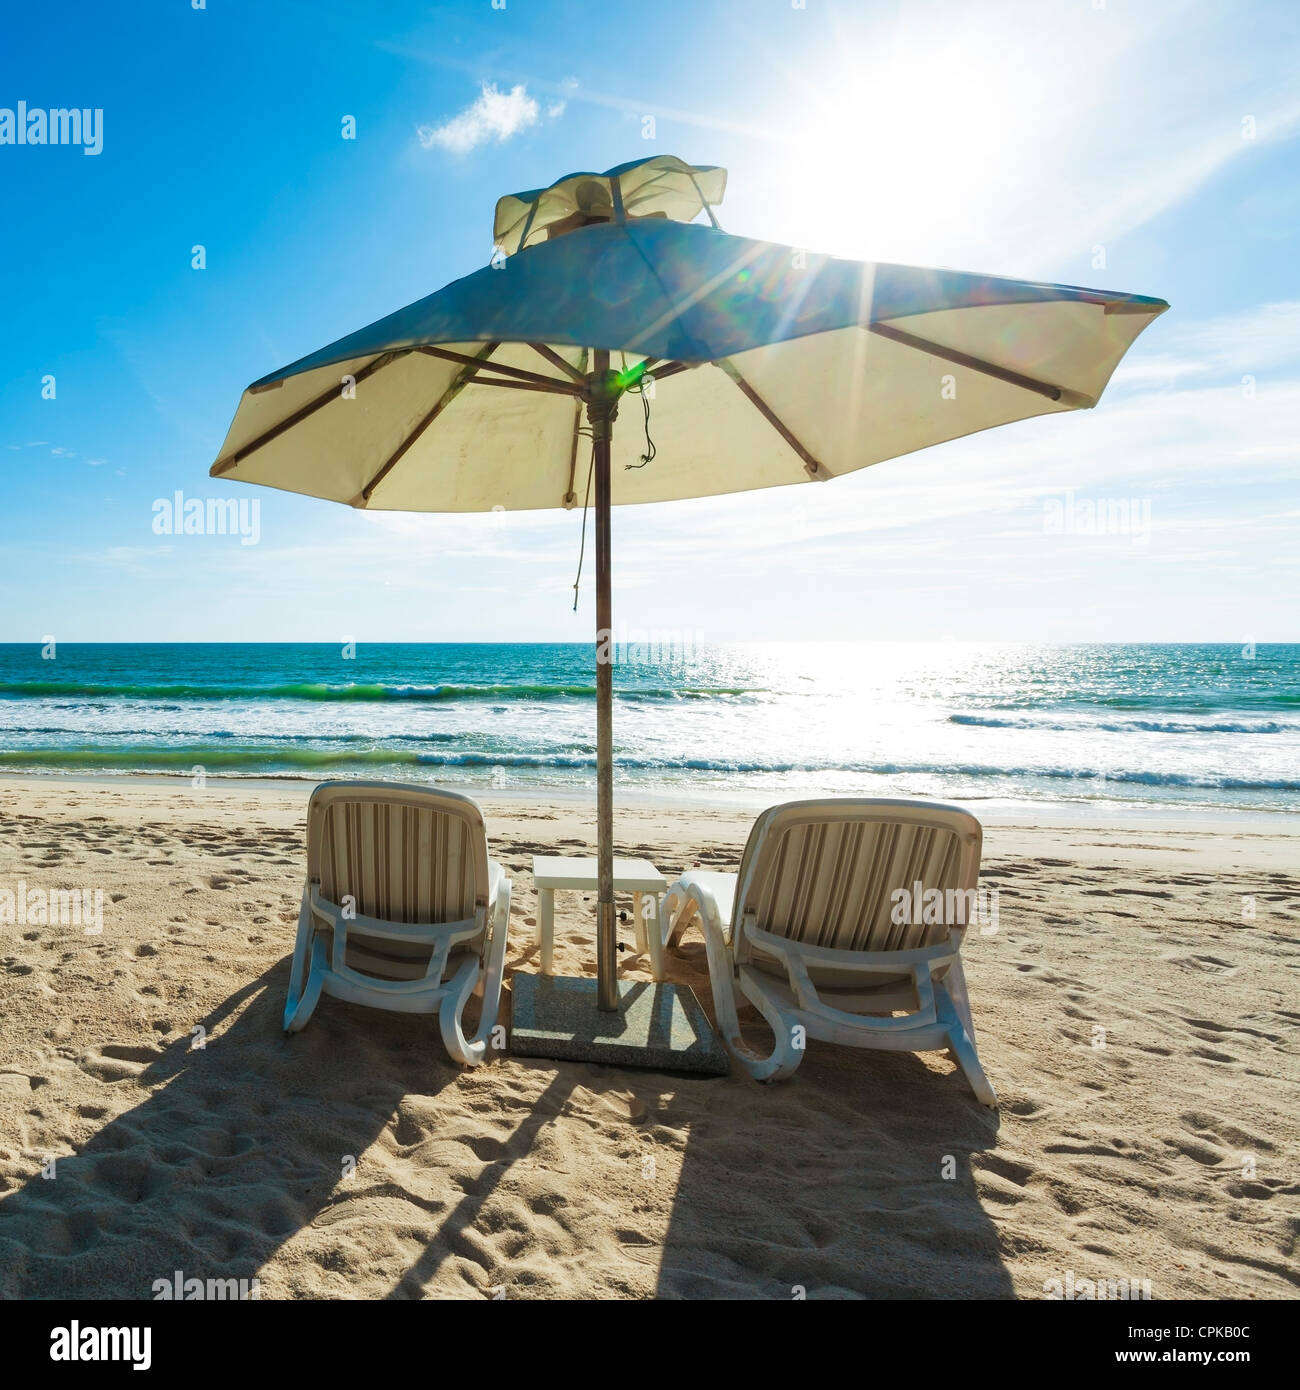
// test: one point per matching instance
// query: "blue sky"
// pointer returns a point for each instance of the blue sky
(1150, 148)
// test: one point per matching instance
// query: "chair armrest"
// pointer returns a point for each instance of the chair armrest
(498, 896)
(796, 957)
(713, 892)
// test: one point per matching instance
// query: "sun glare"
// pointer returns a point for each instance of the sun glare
(899, 149)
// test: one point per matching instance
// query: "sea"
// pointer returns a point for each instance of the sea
(1159, 726)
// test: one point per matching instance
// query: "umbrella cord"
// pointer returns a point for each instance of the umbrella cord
(647, 457)
(650, 449)
(582, 544)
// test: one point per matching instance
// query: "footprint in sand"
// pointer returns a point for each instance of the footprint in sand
(1010, 1169)
(1211, 1128)
(117, 1061)
(1208, 1155)
(19, 1082)
(1203, 965)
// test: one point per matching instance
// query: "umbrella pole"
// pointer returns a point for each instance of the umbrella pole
(657, 1025)
(601, 409)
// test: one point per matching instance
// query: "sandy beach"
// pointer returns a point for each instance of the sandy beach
(1137, 1011)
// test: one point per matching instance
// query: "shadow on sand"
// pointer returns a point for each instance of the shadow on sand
(238, 1146)
(834, 1184)
(854, 1181)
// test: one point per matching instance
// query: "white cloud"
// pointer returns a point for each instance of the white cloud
(1207, 456)
(1251, 341)
(557, 108)
(495, 115)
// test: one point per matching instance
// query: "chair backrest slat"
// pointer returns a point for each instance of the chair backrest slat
(826, 873)
(403, 854)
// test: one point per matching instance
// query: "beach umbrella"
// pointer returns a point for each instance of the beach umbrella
(768, 366)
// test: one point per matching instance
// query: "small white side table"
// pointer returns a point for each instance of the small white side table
(636, 876)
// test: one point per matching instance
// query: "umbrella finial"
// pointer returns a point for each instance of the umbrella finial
(662, 186)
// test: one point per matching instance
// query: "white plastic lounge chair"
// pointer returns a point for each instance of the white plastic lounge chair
(817, 938)
(402, 908)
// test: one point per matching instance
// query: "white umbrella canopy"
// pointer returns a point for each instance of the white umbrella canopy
(771, 367)
(786, 368)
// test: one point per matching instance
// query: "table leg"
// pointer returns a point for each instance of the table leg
(546, 928)
(654, 930)
(639, 920)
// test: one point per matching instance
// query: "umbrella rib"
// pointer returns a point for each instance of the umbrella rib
(556, 360)
(519, 373)
(668, 369)
(559, 389)
(362, 499)
(814, 469)
(302, 413)
(708, 207)
(977, 364)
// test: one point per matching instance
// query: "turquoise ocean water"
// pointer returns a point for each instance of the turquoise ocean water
(1162, 725)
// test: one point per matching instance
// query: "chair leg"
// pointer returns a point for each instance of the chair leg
(487, 982)
(679, 912)
(306, 972)
(954, 1014)
(468, 1052)
(962, 1051)
(299, 1007)
(780, 1063)
(787, 1046)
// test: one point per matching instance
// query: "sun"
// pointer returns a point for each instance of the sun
(898, 149)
